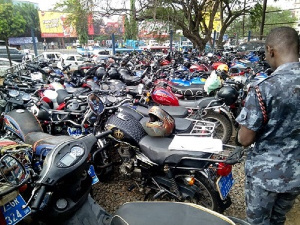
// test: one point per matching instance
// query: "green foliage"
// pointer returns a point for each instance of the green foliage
(11, 22)
(252, 21)
(131, 27)
(30, 14)
(79, 11)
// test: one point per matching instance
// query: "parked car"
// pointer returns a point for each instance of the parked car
(15, 54)
(250, 46)
(99, 55)
(4, 65)
(74, 59)
(52, 56)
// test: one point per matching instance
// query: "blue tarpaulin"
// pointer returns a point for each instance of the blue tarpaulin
(21, 40)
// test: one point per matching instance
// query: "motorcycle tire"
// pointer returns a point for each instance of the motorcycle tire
(207, 196)
(223, 129)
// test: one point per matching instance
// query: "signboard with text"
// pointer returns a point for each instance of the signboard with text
(53, 24)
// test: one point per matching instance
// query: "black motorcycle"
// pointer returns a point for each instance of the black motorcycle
(168, 171)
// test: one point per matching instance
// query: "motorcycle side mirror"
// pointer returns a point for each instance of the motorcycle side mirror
(12, 170)
(96, 104)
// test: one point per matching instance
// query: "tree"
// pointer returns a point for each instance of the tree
(230, 11)
(11, 24)
(274, 17)
(30, 14)
(194, 17)
(79, 12)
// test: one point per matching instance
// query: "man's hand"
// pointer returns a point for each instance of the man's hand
(246, 136)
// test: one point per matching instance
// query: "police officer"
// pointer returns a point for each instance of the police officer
(271, 120)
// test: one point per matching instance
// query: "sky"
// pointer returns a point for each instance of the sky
(43, 4)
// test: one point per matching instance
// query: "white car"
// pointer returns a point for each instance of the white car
(100, 55)
(4, 65)
(74, 59)
(53, 56)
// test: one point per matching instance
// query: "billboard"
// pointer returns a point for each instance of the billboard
(106, 25)
(53, 25)
(216, 23)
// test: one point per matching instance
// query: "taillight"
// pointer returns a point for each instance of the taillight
(223, 169)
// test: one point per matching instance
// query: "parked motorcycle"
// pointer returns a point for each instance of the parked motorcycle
(61, 195)
(166, 170)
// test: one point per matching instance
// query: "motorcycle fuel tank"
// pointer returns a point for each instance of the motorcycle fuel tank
(164, 97)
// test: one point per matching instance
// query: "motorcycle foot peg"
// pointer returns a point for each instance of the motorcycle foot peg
(131, 187)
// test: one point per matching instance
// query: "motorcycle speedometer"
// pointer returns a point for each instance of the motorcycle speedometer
(77, 151)
(13, 93)
(26, 96)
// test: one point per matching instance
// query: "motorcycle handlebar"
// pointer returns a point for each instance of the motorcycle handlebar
(103, 134)
(117, 106)
(39, 197)
(141, 104)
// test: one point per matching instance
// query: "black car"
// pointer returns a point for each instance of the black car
(15, 54)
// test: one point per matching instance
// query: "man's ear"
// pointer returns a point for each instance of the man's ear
(270, 50)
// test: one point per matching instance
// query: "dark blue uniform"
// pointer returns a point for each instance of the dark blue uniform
(272, 167)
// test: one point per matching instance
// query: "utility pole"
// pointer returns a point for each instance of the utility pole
(171, 40)
(244, 19)
(261, 32)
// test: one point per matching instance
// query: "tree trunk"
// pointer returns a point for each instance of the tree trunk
(8, 52)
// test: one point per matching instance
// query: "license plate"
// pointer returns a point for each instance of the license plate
(224, 184)
(93, 175)
(13, 212)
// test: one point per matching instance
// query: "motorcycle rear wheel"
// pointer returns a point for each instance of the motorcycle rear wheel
(223, 128)
(206, 196)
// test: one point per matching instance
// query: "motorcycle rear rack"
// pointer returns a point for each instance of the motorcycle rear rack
(201, 128)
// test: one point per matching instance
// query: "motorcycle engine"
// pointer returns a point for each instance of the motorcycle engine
(128, 167)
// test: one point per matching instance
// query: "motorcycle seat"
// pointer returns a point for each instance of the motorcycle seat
(72, 90)
(130, 80)
(167, 213)
(201, 103)
(62, 95)
(23, 121)
(189, 103)
(175, 111)
(192, 90)
(42, 143)
(181, 125)
(156, 149)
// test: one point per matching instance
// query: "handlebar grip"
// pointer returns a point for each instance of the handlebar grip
(141, 104)
(39, 197)
(132, 92)
(103, 134)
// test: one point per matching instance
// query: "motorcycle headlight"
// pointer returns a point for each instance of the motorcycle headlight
(26, 96)
(13, 93)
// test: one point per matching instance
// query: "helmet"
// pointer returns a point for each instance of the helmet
(160, 123)
(100, 72)
(229, 94)
(113, 73)
(210, 55)
(223, 67)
